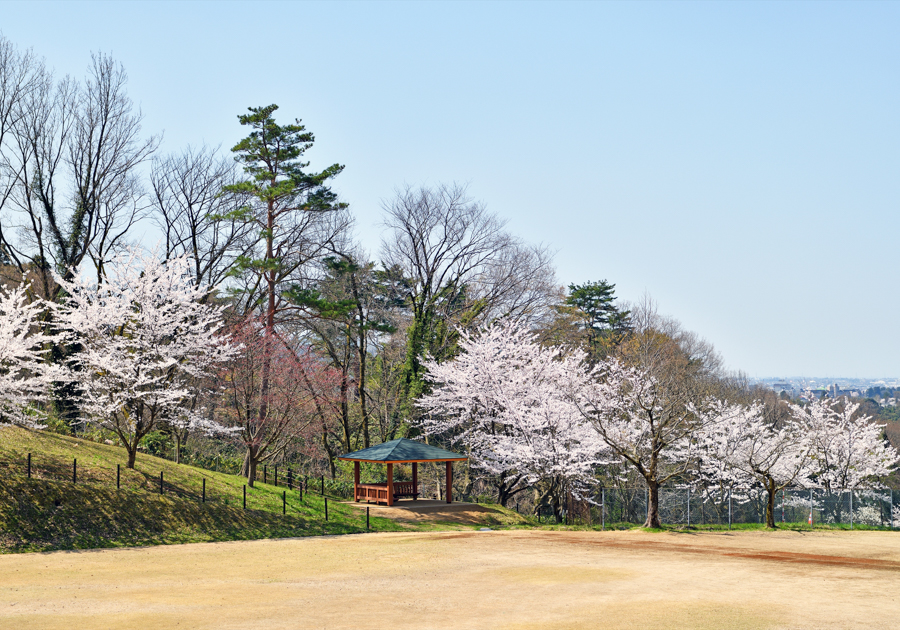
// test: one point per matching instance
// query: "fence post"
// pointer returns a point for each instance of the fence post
(689, 507)
(75, 470)
(323, 485)
(648, 503)
(283, 502)
(29, 465)
(300, 490)
(118, 476)
(367, 517)
(602, 509)
(892, 508)
(160, 482)
(203, 500)
(729, 508)
(782, 505)
(326, 508)
(265, 475)
(276, 476)
(810, 509)
(245, 496)
(851, 509)
(290, 479)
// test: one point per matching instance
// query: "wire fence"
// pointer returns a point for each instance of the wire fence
(708, 506)
(190, 483)
(607, 507)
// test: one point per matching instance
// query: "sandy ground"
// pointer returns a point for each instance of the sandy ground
(506, 580)
(427, 510)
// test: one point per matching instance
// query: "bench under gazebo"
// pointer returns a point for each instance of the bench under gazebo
(399, 451)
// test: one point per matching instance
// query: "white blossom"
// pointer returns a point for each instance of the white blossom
(506, 399)
(25, 375)
(145, 337)
(848, 452)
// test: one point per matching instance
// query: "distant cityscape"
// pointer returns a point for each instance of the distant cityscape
(881, 389)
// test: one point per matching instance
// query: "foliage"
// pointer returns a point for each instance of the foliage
(144, 338)
(299, 391)
(505, 399)
(25, 376)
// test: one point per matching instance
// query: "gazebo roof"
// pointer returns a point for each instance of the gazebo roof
(403, 450)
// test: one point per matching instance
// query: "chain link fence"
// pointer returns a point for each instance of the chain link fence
(615, 507)
(683, 506)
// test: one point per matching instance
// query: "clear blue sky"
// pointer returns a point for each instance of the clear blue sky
(738, 162)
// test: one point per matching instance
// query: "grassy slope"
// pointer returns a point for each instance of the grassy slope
(50, 512)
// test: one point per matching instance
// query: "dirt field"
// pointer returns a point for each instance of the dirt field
(507, 580)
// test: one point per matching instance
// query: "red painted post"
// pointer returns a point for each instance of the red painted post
(449, 482)
(390, 484)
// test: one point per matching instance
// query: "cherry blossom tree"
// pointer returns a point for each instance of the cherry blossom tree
(194, 421)
(145, 339)
(299, 388)
(642, 421)
(504, 399)
(644, 402)
(25, 376)
(739, 446)
(848, 452)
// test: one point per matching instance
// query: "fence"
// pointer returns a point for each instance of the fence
(204, 489)
(682, 506)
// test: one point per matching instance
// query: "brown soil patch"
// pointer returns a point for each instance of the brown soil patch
(775, 556)
(427, 511)
(509, 580)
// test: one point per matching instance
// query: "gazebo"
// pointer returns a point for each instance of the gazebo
(400, 451)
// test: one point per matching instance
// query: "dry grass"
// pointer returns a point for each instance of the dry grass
(509, 579)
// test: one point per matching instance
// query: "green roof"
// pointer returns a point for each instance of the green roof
(402, 450)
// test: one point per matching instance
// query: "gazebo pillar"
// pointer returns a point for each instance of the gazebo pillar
(415, 480)
(390, 484)
(356, 481)
(449, 482)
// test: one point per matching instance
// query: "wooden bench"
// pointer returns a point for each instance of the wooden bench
(378, 492)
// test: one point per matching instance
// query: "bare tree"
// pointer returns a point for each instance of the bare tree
(72, 163)
(70, 156)
(196, 219)
(459, 267)
(20, 75)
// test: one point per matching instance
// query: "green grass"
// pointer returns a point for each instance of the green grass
(50, 512)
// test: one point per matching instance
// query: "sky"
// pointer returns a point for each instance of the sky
(737, 162)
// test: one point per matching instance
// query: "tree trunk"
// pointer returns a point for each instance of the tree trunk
(653, 505)
(771, 490)
(177, 447)
(251, 473)
(270, 331)
(505, 491)
(251, 459)
(132, 454)
(345, 406)
(361, 390)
